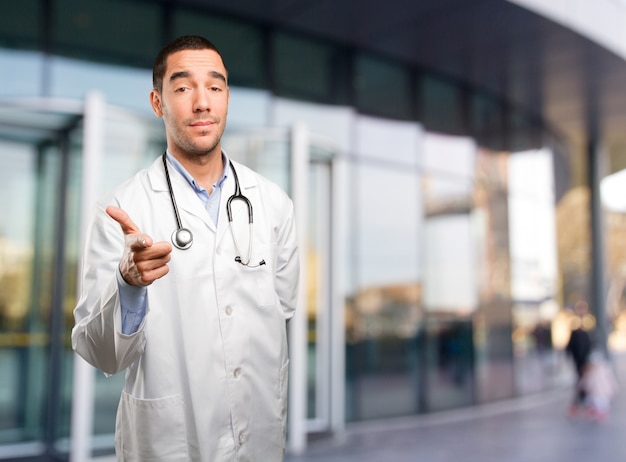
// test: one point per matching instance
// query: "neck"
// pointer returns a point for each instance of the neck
(205, 169)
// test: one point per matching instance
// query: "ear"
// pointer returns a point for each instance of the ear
(155, 102)
(227, 99)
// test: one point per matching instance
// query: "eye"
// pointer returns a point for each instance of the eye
(181, 90)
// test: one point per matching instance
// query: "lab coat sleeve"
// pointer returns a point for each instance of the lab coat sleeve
(287, 263)
(97, 335)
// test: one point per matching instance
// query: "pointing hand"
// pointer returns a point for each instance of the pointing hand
(143, 261)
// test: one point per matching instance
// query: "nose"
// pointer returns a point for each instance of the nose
(202, 100)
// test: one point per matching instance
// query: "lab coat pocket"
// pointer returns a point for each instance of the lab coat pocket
(150, 430)
(264, 277)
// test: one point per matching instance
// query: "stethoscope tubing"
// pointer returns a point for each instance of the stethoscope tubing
(182, 238)
(237, 196)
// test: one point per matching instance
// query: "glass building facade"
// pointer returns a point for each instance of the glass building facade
(432, 269)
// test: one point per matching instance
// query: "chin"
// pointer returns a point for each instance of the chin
(200, 151)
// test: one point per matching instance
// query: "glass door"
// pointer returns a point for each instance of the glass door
(34, 270)
(318, 296)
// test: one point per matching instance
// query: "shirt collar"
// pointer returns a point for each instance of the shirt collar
(180, 169)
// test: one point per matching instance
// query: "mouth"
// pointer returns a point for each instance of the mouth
(202, 123)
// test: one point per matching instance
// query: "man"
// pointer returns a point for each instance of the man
(199, 326)
(579, 347)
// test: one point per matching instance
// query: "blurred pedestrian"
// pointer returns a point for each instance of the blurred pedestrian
(599, 386)
(579, 348)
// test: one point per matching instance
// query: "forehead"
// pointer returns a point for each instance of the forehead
(195, 63)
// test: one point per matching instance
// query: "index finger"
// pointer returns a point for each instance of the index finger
(119, 215)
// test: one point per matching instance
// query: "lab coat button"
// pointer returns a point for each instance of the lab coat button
(241, 438)
(218, 250)
(237, 373)
(228, 310)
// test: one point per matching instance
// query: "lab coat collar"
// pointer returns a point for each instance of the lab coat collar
(188, 201)
(186, 198)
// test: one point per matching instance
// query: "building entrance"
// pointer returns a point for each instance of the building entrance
(57, 161)
(39, 151)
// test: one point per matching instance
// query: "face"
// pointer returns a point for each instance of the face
(193, 103)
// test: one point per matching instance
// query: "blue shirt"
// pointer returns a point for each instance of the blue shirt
(211, 201)
(133, 298)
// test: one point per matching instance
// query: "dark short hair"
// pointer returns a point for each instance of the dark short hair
(186, 42)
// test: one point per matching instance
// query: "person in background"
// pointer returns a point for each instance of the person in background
(599, 385)
(191, 298)
(579, 348)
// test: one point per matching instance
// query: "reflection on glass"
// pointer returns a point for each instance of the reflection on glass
(266, 153)
(22, 337)
(381, 87)
(492, 321)
(384, 314)
(387, 140)
(451, 252)
(119, 85)
(534, 281)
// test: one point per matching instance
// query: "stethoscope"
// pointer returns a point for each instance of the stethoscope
(182, 238)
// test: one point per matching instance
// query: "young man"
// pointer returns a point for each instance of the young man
(200, 325)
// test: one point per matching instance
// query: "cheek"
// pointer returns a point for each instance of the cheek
(220, 104)
(169, 114)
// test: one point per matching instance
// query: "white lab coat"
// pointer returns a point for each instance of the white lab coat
(207, 370)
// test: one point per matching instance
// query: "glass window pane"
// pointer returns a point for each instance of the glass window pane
(22, 357)
(247, 108)
(122, 86)
(524, 134)
(332, 123)
(302, 68)
(486, 121)
(451, 261)
(108, 29)
(265, 152)
(27, 277)
(21, 27)
(534, 280)
(388, 140)
(494, 370)
(441, 108)
(389, 215)
(384, 314)
(382, 88)
(28, 65)
(448, 361)
(453, 155)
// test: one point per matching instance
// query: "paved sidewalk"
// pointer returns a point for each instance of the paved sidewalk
(529, 429)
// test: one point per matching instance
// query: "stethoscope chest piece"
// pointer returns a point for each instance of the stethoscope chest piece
(182, 238)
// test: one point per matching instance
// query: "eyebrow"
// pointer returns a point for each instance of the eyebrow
(186, 74)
